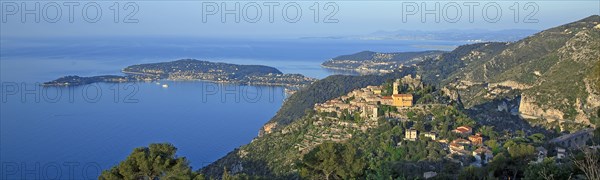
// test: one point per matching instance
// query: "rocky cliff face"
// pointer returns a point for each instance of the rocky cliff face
(452, 93)
(593, 90)
(529, 109)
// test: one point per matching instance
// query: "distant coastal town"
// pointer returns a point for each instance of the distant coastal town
(369, 62)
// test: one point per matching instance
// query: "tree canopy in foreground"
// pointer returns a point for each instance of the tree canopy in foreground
(157, 161)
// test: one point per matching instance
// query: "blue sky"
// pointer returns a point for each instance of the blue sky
(185, 18)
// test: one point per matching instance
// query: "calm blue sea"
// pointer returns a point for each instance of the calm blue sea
(77, 132)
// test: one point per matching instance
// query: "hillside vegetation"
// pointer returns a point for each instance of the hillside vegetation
(554, 72)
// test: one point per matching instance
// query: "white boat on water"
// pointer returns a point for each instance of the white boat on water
(165, 86)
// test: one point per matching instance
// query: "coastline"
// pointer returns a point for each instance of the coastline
(360, 71)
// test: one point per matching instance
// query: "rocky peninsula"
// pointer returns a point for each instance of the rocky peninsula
(191, 69)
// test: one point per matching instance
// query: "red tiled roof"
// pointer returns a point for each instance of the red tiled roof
(474, 136)
(464, 127)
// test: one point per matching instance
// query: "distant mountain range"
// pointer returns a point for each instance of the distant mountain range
(471, 35)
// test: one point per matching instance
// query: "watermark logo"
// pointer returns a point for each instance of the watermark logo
(454, 12)
(127, 93)
(55, 12)
(271, 12)
(233, 93)
(50, 170)
(90, 93)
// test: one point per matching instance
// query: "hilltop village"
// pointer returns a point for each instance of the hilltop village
(373, 102)
(369, 102)
(424, 114)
